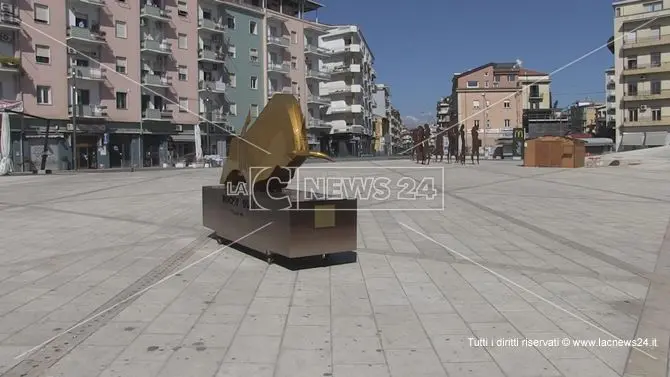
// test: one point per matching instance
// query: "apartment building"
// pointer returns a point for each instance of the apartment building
(381, 119)
(493, 97)
(610, 98)
(136, 79)
(397, 129)
(443, 111)
(642, 73)
(349, 90)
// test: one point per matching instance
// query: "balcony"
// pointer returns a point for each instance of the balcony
(214, 116)
(318, 124)
(10, 64)
(284, 90)
(210, 25)
(535, 96)
(89, 111)
(650, 41)
(315, 50)
(318, 75)
(88, 73)
(212, 86)
(279, 67)
(646, 95)
(647, 121)
(156, 81)
(354, 88)
(9, 19)
(611, 99)
(211, 56)
(647, 68)
(347, 48)
(278, 41)
(97, 3)
(345, 109)
(86, 35)
(156, 47)
(157, 115)
(317, 99)
(155, 13)
(346, 68)
(611, 85)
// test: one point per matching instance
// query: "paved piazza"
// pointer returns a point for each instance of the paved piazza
(518, 253)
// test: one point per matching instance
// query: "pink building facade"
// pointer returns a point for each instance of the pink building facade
(492, 96)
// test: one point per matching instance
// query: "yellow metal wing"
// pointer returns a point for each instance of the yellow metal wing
(277, 139)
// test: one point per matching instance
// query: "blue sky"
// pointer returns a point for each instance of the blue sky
(419, 44)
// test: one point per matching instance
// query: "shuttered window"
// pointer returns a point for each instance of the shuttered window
(41, 13)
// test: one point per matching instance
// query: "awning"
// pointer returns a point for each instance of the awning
(655, 139)
(632, 139)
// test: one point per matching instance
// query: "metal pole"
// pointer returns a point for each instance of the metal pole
(75, 102)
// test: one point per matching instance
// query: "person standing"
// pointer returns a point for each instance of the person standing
(462, 135)
(475, 144)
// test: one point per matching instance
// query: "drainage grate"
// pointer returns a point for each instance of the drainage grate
(52, 352)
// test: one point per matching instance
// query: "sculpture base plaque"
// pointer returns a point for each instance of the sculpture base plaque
(310, 227)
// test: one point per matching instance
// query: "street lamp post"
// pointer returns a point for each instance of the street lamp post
(75, 101)
(486, 118)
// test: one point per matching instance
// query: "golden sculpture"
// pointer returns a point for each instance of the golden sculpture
(276, 140)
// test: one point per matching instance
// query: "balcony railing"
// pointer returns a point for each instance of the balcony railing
(211, 55)
(280, 41)
(665, 38)
(285, 90)
(99, 3)
(318, 74)
(535, 95)
(212, 86)
(86, 34)
(279, 67)
(317, 99)
(204, 23)
(89, 111)
(89, 73)
(214, 116)
(156, 46)
(154, 12)
(642, 94)
(638, 66)
(646, 121)
(156, 80)
(317, 123)
(157, 114)
(317, 50)
(10, 19)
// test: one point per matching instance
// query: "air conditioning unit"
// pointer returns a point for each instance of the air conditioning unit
(643, 107)
(179, 128)
(69, 127)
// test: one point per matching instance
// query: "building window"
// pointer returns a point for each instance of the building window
(121, 31)
(473, 84)
(655, 87)
(182, 41)
(253, 28)
(476, 123)
(618, 12)
(507, 105)
(511, 78)
(656, 114)
(294, 62)
(233, 109)
(182, 8)
(631, 62)
(253, 55)
(183, 104)
(254, 110)
(121, 65)
(253, 84)
(294, 37)
(475, 104)
(632, 115)
(496, 78)
(183, 73)
(653, 7)
(655, 58)
(233, 80)
(42, 54)
(486, 83)
(632, 89)
(507, 123)
(122, 100)
(41, 13)
(231, 23)
(43, 95)
(232, 51)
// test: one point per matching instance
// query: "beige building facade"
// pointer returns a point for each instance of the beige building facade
(642, 73)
